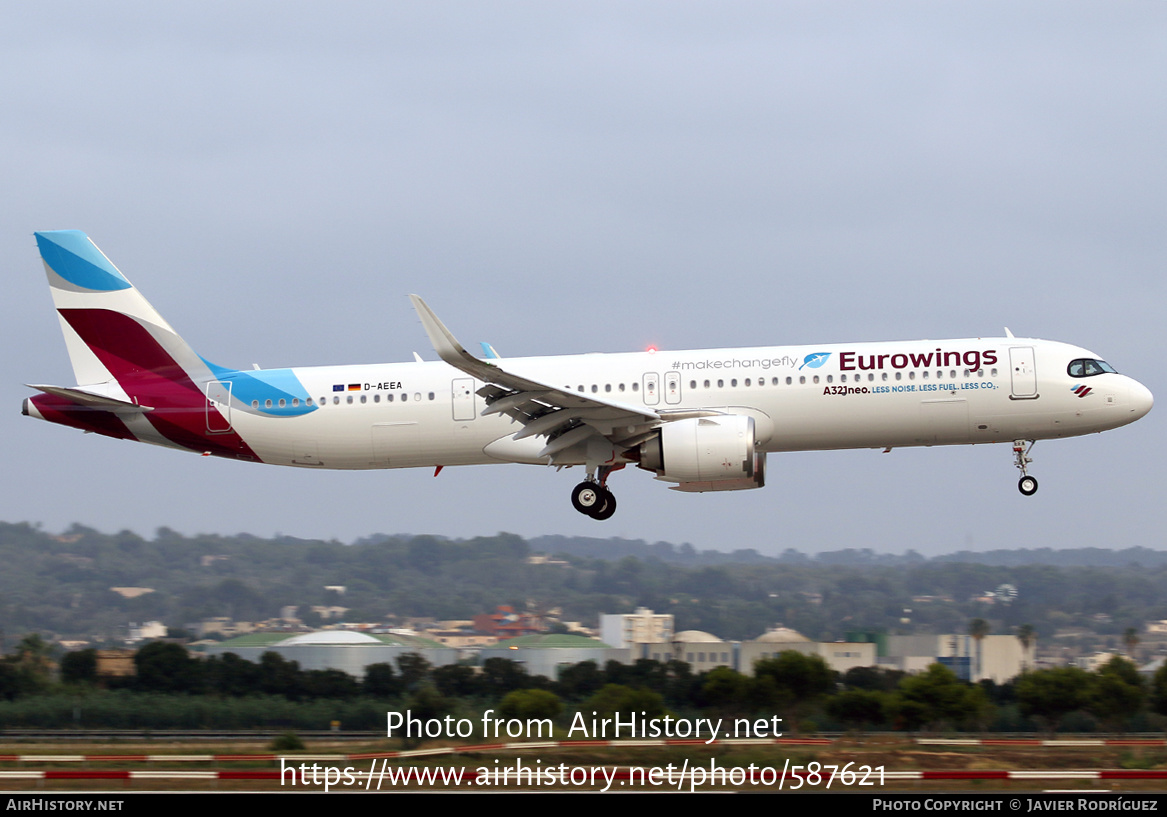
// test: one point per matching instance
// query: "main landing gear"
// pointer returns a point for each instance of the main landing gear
(592, 497)
(1027, 485)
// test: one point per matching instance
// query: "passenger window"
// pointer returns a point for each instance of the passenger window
(349, 399)
(364, 398)
(255, 404)
(267, 403)
(283, 403)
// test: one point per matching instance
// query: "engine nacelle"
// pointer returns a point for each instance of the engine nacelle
(706, 454)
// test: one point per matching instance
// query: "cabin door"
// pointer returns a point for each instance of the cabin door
(218, 407)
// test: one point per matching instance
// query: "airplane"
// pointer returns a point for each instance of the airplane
(703, 420)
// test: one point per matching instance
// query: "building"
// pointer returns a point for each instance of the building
(998, 658)
(642, 627)
(344, 650)
(702, 651)
(838, 655)
(546, 654)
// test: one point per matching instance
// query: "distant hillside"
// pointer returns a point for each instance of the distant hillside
(87, 584)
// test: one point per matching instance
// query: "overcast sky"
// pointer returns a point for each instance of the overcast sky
(568, 177)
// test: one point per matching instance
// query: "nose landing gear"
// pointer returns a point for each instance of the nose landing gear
(1027, 484)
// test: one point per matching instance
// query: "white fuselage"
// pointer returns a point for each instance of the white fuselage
(402, 415)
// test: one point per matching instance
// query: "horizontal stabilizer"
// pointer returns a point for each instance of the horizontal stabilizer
(87, 399)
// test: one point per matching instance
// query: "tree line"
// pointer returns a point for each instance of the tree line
(172, 688)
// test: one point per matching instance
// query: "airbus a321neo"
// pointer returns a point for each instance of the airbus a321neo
(703, 420)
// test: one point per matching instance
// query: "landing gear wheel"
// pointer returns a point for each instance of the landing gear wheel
(587, 498)
(609, 507)
(1027, 484)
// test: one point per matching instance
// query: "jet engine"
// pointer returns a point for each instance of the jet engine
(706, 454)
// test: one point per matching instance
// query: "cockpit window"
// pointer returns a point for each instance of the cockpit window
(1084, 367)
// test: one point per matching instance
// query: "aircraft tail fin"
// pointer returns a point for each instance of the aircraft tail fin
(112, 333)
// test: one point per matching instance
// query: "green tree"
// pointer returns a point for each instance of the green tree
(413, 668)
(79, 667)
(727, 691)
(501, 675)
(791, 682)
(858, 708)
(381, 681)
(230, 675)
(456, 680)
(936, 696)
(1158, 692)
(1048, 695)
(580, 680)
(1027, 635)
(528, 704)
(163, 666)
(978, 628)
(1117, 693)
(617, 698)
(279, 676)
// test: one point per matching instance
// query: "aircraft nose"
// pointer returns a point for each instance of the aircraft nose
(1141, 399)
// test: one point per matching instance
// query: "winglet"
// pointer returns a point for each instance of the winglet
(448, 347)
(488, 351)
(444, 342)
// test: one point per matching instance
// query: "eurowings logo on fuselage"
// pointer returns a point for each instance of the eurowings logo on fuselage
(1081, 391)
(814, 360)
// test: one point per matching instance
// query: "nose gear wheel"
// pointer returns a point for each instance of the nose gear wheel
(1027, 484)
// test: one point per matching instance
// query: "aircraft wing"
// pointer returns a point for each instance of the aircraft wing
(565, 417)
